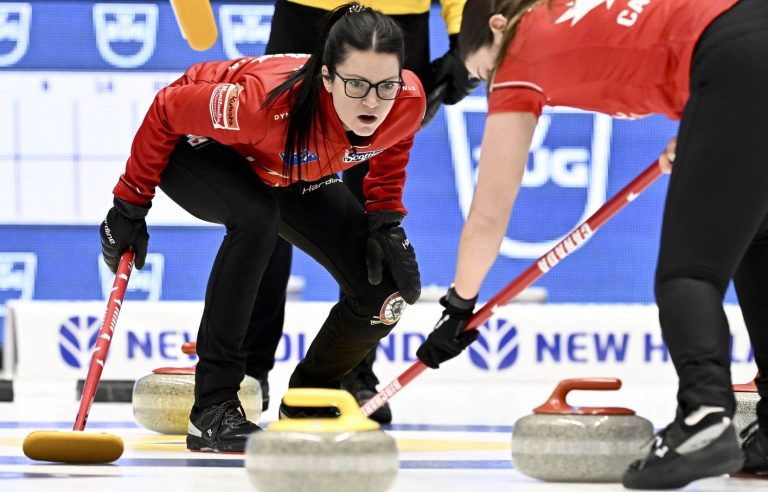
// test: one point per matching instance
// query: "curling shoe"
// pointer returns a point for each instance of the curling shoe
(701, 445)
(221, 428)
(755, 447)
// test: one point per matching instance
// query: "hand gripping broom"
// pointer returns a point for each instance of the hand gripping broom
(77, 446)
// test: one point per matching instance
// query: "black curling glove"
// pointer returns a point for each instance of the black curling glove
(448, 81)
(448, 339)
(124, 227)
(389, 246)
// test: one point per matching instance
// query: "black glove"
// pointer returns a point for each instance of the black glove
(448, 338)
(388, 245)
(124, 227)
(448, 80)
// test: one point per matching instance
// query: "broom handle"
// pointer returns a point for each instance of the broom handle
(541, 266)
(104, 338)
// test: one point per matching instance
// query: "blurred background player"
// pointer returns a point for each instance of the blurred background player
(446, 81)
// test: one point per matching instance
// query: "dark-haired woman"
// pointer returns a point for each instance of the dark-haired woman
(703, 62)
(294, 28)
(255, 144)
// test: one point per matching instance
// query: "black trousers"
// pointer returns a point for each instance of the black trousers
(294, 30)
(716, 216)
(215, 184)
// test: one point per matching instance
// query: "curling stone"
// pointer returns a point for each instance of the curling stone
(348, 453)
(561, 443)
(162, 400)
(747, 398)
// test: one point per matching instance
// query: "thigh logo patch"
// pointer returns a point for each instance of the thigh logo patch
(391, 310)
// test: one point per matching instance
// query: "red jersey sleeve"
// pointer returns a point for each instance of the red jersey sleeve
(226, 112)
(383, 185)
(509, 97)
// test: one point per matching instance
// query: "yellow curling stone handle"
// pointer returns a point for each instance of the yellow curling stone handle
(351, 418)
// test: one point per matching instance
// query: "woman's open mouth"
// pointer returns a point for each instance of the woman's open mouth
(367, 119)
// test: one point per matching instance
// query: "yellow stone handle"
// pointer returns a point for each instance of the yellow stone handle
(195, 18)
(350, 418)
(321, 397)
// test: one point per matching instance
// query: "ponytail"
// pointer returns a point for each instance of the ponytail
(350, 26)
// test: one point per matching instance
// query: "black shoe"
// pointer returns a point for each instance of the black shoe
(287, 412)
(221, 429)
(684, 452)
(363, 388)
(755, 447)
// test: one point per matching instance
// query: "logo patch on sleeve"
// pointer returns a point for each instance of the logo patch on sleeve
(225, 100)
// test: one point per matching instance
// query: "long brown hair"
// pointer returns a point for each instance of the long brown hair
(476, 33)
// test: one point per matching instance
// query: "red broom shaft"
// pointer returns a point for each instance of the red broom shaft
(106, 331)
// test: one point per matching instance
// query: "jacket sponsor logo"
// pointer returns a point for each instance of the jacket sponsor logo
(245, 29)
(303, 157)
(119, 27)
(225, 101)
(353, 156)
(315, 186)
(578, 9)
(565, 179)
(197, 141)
(17, 277)
(77, 336)
(14, 32)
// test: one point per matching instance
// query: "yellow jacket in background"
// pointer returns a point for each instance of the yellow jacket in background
(450, 9)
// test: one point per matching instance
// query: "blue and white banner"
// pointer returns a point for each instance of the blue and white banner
(126, 36)
(54, 341)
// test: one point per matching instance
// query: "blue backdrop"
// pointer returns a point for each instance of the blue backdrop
(578, 161)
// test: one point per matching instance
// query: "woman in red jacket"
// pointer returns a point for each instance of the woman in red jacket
(255, 144)
(703, 62)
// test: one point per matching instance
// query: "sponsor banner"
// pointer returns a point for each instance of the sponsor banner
(72, 35)
(53, 341)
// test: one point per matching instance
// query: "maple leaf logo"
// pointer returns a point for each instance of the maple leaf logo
(578, 9)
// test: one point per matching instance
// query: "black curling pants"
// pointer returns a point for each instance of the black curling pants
(716, 216)
(215, 184)
(294, 30)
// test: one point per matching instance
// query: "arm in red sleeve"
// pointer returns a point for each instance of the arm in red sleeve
(383, 186)
(228, 113)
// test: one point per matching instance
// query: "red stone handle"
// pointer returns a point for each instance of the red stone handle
(177, 371)
(556, 404)
(750, 387)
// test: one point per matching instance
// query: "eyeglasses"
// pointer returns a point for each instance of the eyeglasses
(359, 88)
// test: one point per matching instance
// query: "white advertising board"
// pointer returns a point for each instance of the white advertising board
(49, 341)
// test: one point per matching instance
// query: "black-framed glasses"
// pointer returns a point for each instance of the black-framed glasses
(359, 88)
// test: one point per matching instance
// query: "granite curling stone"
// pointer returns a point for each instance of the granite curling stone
(561, 443)
(162, 400)
(747, 398)
(348, 453)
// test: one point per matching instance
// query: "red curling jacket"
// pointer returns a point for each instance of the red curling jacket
(223, 101)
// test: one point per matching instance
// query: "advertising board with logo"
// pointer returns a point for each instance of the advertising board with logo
(53, 341)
